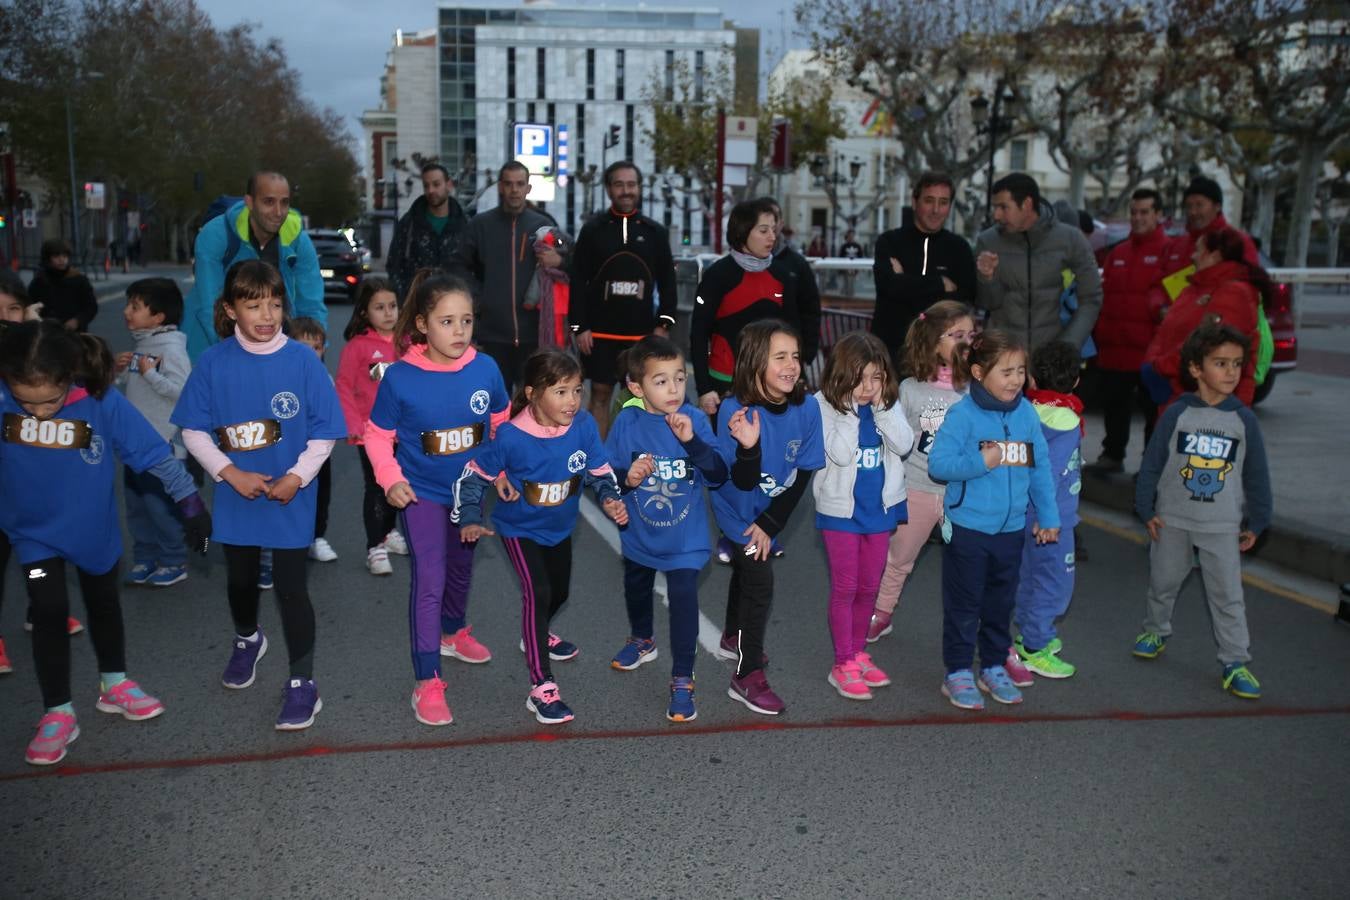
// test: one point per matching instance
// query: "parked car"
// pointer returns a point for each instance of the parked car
(343, 262)
(1280, 315)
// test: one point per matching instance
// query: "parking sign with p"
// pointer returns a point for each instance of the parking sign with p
(534, 148)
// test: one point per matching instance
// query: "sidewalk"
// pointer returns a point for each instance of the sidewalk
(114, 284)
(1306, 430)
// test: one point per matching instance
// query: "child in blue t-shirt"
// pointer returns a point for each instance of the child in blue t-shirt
(771, 439)
(992, 455)
(439, 404)
(260, 414)
(860, 497)
(539, 461)
(63, 433)
(662, 448)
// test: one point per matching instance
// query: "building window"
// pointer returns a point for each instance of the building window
(1017, 156)
(552, 115)
(539, 73)
(618, 74)
(590, 74)
(529, 112)
(628, 131)
(670, 75)
(698, 76)
(579, 135)
(510, 72)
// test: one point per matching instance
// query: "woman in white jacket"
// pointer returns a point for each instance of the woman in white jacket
(860, 496)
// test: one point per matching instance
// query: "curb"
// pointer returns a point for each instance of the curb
(1286, 543)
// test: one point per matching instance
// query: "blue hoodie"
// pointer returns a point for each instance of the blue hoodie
(993, 501)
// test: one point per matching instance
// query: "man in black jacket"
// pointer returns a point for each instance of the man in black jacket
(428, 234)
(920, 263)
(622, 271)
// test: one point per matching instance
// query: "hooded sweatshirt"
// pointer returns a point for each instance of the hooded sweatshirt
(156, 392)
(360, 368)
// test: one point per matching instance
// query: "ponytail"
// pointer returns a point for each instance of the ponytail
(95, 366)
(37, 352)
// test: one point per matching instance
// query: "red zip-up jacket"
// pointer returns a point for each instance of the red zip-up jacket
(360, 368)
(1129, 316)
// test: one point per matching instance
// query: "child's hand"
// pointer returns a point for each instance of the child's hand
(640, 471)
(1155, 527)
(616, 511)
(283, 491)
(1046, 535)
(1246, 541)
(681, 426)
(708, 402)
(992, 453)
(400, 495)
(470, 534)
(744, 427)
(758, 544)
(506, 491)
(122, 360)
(249, 485)
(147, 363)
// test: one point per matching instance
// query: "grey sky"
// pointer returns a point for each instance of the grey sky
(338, 46)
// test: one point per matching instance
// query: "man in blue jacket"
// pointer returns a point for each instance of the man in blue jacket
(264, 227)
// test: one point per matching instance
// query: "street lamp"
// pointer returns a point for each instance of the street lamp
(70, 153)
(830, 181)
(993, 122)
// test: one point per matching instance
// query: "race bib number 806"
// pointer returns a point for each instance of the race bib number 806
(49, 434)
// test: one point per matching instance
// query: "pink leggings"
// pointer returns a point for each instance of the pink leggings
(856, 561)
(925, 510)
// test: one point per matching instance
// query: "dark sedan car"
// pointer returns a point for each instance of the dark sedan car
(343, 262)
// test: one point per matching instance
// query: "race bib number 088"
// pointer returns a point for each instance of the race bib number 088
(48, 434)
(1016, 453)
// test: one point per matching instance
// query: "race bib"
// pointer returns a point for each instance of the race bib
(925, 442)
(248, 435)
(677, 469)
(377, 370)
(1207, 445)
(624, 289)
(449, 441)
(550, 493)
(49, 434)
(1016, 453)
(867, 457)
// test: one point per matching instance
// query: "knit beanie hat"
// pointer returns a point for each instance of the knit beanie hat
(1205, 187)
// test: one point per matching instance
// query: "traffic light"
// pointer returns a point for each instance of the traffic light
(685, 240)
(613, 139)
(4, 222)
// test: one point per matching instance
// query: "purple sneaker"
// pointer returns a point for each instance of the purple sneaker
(753, 690)
(243, 664)
(300, 706)
(729, 648)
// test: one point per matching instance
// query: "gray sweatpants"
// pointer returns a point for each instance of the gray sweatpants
(1170, 563)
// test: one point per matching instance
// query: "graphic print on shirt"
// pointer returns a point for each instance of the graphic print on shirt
(478, 403)
(576, 462)
(931, 417)
(285, 405)
(93, 454)
(660, 502)
(1072, 469)
(1209, 458)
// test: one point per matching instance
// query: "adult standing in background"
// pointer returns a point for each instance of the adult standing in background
(261, 226)
(428, 234)
(65, 294)
(920, 263)
(497, 258)
(1020, 264)
(621, 270)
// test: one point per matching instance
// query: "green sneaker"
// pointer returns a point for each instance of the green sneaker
(1149, 645)
(1054, 646)
(1046, 664)
(1240, 682)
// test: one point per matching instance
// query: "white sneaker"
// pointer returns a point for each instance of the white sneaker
(322, 551)
(395, 544)
(377, 561)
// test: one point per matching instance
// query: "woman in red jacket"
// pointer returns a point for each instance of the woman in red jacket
(1225, 288)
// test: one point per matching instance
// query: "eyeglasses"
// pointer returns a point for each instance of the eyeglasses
(962, 335)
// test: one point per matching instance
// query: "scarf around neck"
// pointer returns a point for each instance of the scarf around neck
(985, 400)
(751, 263)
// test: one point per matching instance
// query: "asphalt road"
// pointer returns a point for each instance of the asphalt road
(1131, 779)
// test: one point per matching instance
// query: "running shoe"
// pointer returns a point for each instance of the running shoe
(395, 544)
(377, 561)
(775, 549)
(879, 627)
(546, 703)
(463, 646)
(1240, 682)
(753, 690)
(127, 698)
(634, 653)
(1020, 674)
(681, 707)
(846, 678)
(1149, 645)
(1054, 646)
(140, 573)
(264, 576)
(428, 703)
(73, 626)
(959, 688)
(55, 732)
(299, 706)
(995, 682)
(871, 675)
(729, 648)
(5, 666)
(1046, 664)
(243, 665)
(558, 649)
(724, 550)
(167, 576)
(322, 551)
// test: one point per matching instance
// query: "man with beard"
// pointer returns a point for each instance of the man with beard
(428, 234)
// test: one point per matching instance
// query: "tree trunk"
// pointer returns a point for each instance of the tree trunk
(1311, 153)
(173, 242)
(1333, 243)
(1263, 221)
(1077, 184)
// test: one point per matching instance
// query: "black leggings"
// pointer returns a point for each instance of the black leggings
(378, 515)
(749, 599)
(545, 574)
(325, 480)
(297, 615)
(49, 603)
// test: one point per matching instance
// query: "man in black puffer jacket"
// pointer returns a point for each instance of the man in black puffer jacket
(428, 234)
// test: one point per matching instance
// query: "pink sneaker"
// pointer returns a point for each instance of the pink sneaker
(5, 667)
(55, 731)
(1018, 673)
(847, 680)
(428, 703)
(463, 646)
(879, 627)
(128, 699)
(871, 675)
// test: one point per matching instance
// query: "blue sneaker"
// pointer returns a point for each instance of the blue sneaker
(959, 688)
(1240, 682)
(300, 706)
(724, 550)
(243, 665)
(546, 703)
(1149, 645)
(265, 576)
(634, 653)
(140, 573)
(165, 576)
(775, 549)
(995, 682)
(681, 707)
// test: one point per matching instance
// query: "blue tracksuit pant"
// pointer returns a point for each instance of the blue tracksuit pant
(979, 584)
(1045, 587)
